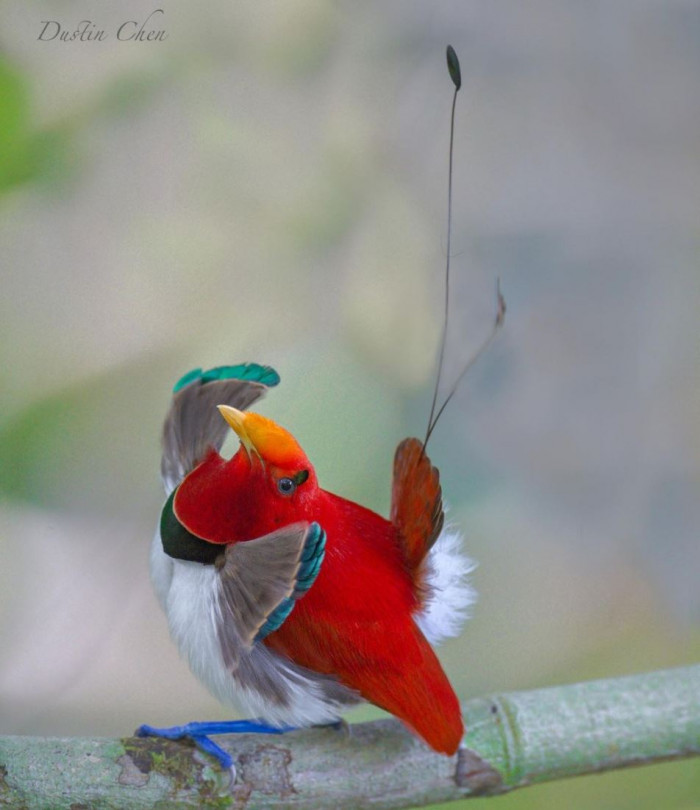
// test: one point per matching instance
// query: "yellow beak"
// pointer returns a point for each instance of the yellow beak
(237, 419)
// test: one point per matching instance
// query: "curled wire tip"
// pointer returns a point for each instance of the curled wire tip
(435, 411)
(453, 67)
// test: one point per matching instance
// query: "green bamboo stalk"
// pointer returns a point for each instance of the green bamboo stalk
(514, 740)
(545, 734)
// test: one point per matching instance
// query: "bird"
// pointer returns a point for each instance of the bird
(291, 601)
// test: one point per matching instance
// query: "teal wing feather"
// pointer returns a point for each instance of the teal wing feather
(193, 425)
(276, 619)
(310, 564)
(261, 580)
(266, 375)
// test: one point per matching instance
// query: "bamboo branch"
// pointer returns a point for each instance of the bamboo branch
(514, 740)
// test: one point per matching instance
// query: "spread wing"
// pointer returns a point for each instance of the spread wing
(261, 580)
(193, 425)
(416, 502)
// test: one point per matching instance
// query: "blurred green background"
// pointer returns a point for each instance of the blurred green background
(268, 183)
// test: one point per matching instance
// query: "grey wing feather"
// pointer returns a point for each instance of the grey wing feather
(193, 424)
(255, 577)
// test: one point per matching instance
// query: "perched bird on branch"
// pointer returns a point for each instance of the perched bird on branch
(291, 601)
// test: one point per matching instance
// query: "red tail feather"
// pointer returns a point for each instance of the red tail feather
(425, 701)
(416, 506)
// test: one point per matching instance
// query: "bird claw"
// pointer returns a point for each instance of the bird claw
(191, 731)
(198, 733)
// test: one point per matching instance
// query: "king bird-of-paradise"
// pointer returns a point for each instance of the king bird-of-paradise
(288, 600)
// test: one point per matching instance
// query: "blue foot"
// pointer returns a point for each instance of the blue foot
(197, 732)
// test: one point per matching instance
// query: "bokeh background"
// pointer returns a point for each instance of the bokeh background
(269, 184)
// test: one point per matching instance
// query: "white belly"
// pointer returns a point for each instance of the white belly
(189, 594)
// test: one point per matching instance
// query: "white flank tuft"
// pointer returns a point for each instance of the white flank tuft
(451, 595)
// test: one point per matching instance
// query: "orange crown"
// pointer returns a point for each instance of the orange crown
(262, 436)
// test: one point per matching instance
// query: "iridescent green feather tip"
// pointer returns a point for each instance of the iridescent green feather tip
(243, 371)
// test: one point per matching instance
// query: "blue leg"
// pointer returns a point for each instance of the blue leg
(197, 732)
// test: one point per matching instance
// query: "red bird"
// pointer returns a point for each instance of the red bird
(291, 600)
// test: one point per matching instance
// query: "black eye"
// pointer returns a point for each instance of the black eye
(286, 486)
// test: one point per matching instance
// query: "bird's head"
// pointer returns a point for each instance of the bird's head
(269, 482)
(271, 453)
